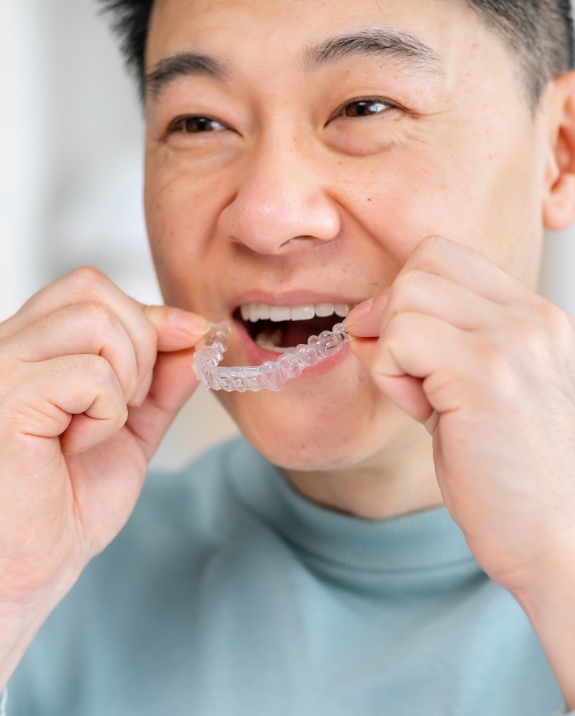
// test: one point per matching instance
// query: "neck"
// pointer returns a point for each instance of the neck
(398, 480)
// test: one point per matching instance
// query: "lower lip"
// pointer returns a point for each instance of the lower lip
(256, 355)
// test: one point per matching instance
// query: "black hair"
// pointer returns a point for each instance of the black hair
(540, 32)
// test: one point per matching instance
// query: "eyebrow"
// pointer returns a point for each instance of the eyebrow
(388, 43)
(182, 64)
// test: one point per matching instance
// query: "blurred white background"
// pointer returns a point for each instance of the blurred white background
(71, 174)
(71, 178)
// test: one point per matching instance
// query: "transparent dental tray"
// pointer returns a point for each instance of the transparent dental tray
(271, 375)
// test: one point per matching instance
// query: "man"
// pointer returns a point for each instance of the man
(303, 158)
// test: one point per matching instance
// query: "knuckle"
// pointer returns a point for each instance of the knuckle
(5, 344)
(529, 336)
(494, 360)
(145, 345)
(118, 417)
(97, 314)
(397, 328)
(404, 289)
(87, 281)
(431, 244)
(557, 319)
(502, 368)
(86, 276)
(149, 338)
(93, 314)
(99, 374)
(411, 280)
(12, 377)
(96, 367)
(4, 330)
(426, 254)
(91, 319)
(19, 398)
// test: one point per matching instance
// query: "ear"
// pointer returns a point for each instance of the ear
(559, 204)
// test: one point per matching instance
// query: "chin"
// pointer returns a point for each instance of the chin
(326, 423)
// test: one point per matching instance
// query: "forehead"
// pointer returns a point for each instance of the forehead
(280, 30)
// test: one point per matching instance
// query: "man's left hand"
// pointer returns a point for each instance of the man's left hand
(489, 367)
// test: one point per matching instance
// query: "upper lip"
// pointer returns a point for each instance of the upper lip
(295, 298)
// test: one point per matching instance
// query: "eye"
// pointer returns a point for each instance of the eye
(365, 108)
(196, 125)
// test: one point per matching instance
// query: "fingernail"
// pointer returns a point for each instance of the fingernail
(188, 322)
(143, 390)
(356, 314)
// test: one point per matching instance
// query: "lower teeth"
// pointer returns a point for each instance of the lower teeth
(270, 341)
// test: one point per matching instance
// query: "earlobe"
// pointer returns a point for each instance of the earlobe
(559, 209)
(559, 204)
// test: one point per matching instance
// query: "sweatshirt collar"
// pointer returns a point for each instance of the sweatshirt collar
(421, 540)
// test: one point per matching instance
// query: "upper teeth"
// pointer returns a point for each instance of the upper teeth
(262, 311)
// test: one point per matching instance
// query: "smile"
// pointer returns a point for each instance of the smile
(279, 328)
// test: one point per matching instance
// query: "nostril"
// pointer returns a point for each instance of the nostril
(296, 240)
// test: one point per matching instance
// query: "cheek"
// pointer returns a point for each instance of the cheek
(401, 201)
(484, 199)
(512, 204)
(181, 215)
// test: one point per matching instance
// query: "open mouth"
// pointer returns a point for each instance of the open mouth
(279, 328)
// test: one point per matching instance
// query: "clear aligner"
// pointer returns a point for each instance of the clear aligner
(271, 375)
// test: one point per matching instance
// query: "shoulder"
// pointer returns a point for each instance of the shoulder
(137, 598)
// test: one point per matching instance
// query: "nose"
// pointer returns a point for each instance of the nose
(281, 202)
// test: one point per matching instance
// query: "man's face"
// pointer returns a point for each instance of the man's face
(299, 156)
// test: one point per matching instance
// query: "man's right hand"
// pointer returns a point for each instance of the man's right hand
(90, 381)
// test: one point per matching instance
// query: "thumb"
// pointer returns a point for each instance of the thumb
(176, 329)
(364, 321)
(172, 386)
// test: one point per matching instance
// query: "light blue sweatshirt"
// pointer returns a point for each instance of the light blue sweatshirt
(227, 594)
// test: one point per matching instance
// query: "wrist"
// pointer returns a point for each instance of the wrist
(548, 599)
(22, 613)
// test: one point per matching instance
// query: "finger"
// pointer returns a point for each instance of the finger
(420, 347)
(92, 286)
(81, 285)
(405, 391)
(177, 331)
(146, 326)
(76, 398)
(417, 291)
(441, 278)
(421, 292)
(83, 328)
(463, 265)
(173, 385)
